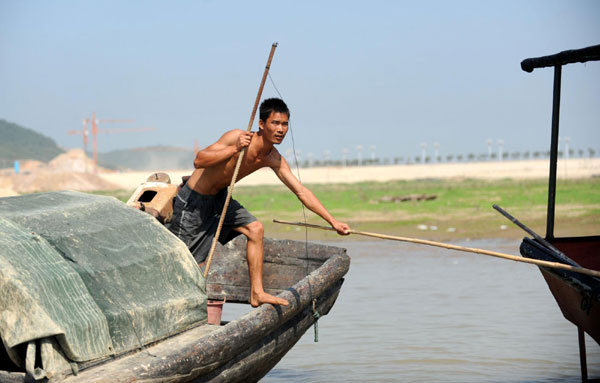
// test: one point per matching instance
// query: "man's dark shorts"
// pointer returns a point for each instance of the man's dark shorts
(196, 217)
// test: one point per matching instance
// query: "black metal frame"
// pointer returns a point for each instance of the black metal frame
(557, 61)
(591, 53)
(553, 153)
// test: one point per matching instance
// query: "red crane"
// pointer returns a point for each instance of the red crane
(95, 131)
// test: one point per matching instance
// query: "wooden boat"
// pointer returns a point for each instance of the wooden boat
(577, 295)
(308, 275)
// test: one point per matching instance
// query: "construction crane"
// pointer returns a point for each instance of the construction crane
(84, 132)
(95, 131)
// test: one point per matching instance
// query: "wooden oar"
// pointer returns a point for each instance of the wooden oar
(238, 163)
(554, 265)
(557, 253)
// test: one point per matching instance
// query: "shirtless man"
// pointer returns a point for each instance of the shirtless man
(199, 204)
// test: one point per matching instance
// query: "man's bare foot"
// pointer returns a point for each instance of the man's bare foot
(257, 299)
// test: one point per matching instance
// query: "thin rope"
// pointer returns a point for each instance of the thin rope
(295, 160)
(316, 314)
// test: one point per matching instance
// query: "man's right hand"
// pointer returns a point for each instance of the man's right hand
(243, 141)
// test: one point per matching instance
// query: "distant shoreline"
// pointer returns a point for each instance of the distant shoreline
(493, 170)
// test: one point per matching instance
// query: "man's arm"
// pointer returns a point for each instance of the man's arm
(282, 170)
(226, 147)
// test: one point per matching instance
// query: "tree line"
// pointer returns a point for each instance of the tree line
(418, 159)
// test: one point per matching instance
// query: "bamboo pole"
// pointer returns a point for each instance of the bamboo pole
(239, 162)
(554, 265)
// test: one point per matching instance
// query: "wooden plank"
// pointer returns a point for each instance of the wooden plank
(285, 263)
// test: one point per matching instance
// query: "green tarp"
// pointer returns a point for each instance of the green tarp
(85, 277)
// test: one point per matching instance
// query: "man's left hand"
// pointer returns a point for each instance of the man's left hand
(341, 228)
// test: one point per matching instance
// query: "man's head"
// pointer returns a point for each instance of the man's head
(272, 105)
(274, 120)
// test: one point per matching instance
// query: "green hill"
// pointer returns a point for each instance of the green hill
(19, 143)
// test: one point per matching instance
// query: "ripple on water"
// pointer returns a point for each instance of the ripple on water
(409, 313)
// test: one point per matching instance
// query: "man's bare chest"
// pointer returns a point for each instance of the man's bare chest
(249, 165)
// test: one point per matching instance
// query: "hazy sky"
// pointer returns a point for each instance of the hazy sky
(389, 74)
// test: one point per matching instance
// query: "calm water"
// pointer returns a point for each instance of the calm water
(410, 313)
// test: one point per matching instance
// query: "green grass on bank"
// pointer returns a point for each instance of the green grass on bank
(460, 209)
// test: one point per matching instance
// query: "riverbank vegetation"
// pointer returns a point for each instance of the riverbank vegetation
(434, 209)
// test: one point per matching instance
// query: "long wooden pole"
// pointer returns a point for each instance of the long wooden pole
(554, 265)
(239, 162)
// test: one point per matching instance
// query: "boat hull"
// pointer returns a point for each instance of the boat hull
(243, 350)
(577, 295)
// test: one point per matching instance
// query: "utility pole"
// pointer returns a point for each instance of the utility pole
(298, 158)
(345, 156)
(326, 154)
(500, 145)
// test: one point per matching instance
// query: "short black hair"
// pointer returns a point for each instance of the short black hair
(272, 105)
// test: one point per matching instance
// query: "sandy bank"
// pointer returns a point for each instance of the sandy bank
(72, 170)
(572, 168)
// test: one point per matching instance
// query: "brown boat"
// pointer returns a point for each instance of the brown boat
(68, 256)
(577, 295)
